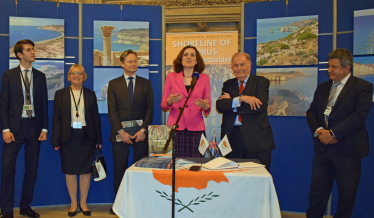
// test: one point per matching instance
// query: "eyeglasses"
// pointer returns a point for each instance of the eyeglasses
(76, 73)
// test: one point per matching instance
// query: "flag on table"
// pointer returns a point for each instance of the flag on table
(224, 146)
(203, 144)
(213, 146)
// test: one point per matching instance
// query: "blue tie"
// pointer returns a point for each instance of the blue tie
(131, 88)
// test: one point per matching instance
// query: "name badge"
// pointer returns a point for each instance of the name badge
(77, 125)
(27, 107)
(328, 111)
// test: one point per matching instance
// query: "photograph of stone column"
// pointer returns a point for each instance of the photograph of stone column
(111, 38)
(47, 34)
(291, 89)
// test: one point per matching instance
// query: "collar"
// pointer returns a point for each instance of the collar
(246, 79)
(344, 81)
(23, 69)
(127, 77)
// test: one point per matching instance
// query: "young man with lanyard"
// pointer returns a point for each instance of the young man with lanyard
(24, 120)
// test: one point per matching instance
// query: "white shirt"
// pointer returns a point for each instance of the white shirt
(128, 80)
(81, 117)
(29, 77)
(236, 103)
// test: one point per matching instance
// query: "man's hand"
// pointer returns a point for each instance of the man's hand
(43, 136)
(97, 145)
(324, 136)
(56, 148)
(254, 102)
(333, 141)
(8, 137)
(224, 95)
(125, 137)
(139, 136)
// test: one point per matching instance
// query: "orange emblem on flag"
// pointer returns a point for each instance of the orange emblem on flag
(202, 142)
(224, 144)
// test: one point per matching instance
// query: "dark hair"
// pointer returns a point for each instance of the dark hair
(345, 57)
(126, 53)
(177, 63)
(18, 48)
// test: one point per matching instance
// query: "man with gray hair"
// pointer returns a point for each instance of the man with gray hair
(337, 120)
(244, 103)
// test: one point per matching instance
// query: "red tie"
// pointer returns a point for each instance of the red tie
(241, 87)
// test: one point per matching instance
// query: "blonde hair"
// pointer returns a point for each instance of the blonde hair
(79, 67)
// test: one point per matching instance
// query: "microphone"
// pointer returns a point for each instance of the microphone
(195, 77)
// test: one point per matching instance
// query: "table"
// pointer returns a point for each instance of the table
(145, 192)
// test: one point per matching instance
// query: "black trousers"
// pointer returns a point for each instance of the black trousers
(326, 168)
(121, 153)
(27, 134)
(239, 150)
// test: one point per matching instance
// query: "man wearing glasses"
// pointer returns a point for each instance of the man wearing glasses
(24, 120)
(130, 111)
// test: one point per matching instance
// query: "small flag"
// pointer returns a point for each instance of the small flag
(213, 146)
(224, 146)
(203, 144)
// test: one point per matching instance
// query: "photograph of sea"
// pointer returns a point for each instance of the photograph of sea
(363, 67)
(53, 70)
(287, 41)
(363, 34)
(47, 34)
(291, 89)
(102, 76)
(111, 38)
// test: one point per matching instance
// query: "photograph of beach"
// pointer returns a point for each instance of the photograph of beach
(287, 41)
(363, 34)
(47, 34)
(291, 89)
(53, 70)
(111, 38)
(363, 67)
(102, 76)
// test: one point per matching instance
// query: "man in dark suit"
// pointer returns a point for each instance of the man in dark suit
(24, 120)
(244, 103)
(130, 111)
(337, 120)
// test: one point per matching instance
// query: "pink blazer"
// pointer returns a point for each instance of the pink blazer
(192, 117)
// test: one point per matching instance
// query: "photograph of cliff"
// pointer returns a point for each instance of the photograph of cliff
(157, 137)
(111, 38)
(291, 89)
(47, 34)
(101, 79)
(363, 34)
(363, 67)
(53, 70)
(287, 41)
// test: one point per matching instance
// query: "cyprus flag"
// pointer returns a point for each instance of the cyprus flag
(224, 146)
(203, 144)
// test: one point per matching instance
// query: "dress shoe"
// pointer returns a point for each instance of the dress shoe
(28, 212)
(86, 213)
(111, 212)
(5, 216)
(71, 214)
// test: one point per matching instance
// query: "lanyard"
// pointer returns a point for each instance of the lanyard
(79, 100)
(26, 88)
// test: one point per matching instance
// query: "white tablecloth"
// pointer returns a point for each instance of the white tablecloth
(144, 193)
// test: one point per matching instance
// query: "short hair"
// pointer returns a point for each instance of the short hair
(345, 57)
(242, 53)
(81, 68)
(126, 53)
(18, 47)
(177, 63)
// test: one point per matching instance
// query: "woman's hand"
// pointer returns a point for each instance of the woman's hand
(56, 148)
(203, 103)
(174, 98)
(98, 145)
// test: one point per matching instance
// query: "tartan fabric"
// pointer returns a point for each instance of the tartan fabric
(187, 142)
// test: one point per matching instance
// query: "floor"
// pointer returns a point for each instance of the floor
(100, 210)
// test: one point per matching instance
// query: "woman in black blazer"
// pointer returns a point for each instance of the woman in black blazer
(76, 132)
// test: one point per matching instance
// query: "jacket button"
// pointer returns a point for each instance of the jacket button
(186, 106)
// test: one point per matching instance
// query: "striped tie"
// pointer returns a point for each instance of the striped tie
(331, 99)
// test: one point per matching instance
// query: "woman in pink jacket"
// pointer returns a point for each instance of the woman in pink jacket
(177, 87)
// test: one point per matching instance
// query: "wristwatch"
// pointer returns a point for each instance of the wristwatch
(144, 131)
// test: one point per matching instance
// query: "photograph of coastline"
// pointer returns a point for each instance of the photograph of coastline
(102, 76)
(111, 38)
(291, 89)
(47, 34)
(363, 67)
(287, 41)
(157, 137)
(53, 70)
(363, 34)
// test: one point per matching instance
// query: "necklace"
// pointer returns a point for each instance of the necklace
(187, 76)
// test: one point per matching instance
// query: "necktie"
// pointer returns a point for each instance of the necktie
(27, 93)
(131, 88)
(241, 87)
(331, 99)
